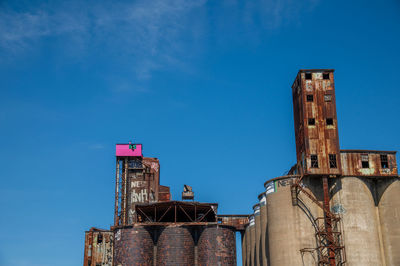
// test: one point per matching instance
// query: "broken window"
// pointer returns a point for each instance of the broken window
(332, 161)
(314, 161)
(328, 98)
(310, 98)
(99, 238)
(325, 75)
(308, 76)
(329, 121)
(364, 161)
(311, 121)
(135, 164)
(384, 161)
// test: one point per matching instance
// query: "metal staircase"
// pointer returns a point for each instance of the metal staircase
(330, 248)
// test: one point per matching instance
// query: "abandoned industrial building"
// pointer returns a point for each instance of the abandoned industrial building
(334, 206)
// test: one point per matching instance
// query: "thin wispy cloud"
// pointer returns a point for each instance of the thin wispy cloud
(148, 32)
(146, 35)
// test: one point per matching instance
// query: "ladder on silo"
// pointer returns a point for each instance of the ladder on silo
(328, 230)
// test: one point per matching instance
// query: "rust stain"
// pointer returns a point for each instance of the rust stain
(315, 119)
(98, 248)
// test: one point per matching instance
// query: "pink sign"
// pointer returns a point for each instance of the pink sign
(129, 150)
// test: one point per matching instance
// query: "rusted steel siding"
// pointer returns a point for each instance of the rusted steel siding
(163, 194)
(133, 246)
(138, 181)
(98, 248)
(237, 221)
(217, 246)
(142, 185)
(175, 246)
(352, 163)
(320, 139)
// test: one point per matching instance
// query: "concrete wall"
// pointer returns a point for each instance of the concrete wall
(369, 209)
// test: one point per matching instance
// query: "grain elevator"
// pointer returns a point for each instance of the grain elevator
(334, 206)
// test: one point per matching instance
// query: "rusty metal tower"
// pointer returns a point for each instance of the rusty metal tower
(137, 181)
(318, 153)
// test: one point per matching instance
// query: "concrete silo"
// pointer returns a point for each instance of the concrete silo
(248, 244)
(263, 229)
(244, 239)
(389, 214)
(257, 226)
(291, 230)
(252, 248)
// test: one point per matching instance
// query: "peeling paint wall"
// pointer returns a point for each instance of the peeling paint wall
(98, 248)
(352, 163)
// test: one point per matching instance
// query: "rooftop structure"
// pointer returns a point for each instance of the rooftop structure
(151, 229)
(335, 207)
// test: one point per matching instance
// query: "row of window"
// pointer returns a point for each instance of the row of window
(327, 98)
(364, 161)
(329, 121)
(332, 161)
(324, 75)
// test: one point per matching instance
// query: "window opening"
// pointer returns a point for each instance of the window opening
(99, 238)
(329, 121)
(308, 76)
(135, 164)
(314, 161)
(325, 75)
(332, 161)
(384, 161)
(364, 161)
(311, 121)
(310, 98)
(328, 98)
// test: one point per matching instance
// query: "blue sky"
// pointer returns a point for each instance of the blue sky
(181, 77)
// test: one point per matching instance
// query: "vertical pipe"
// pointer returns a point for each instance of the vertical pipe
(175, 212)
(116, 219)
(124, 196)
(328, 223)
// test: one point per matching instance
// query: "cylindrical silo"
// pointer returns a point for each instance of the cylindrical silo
(248, 245)
(217, 246)
(291, 228)
(354, 202)
(263, 228)
(252, 240)
(389, 213)
(175, 246)
(257, 226)
(133, 246)
(243, 239)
